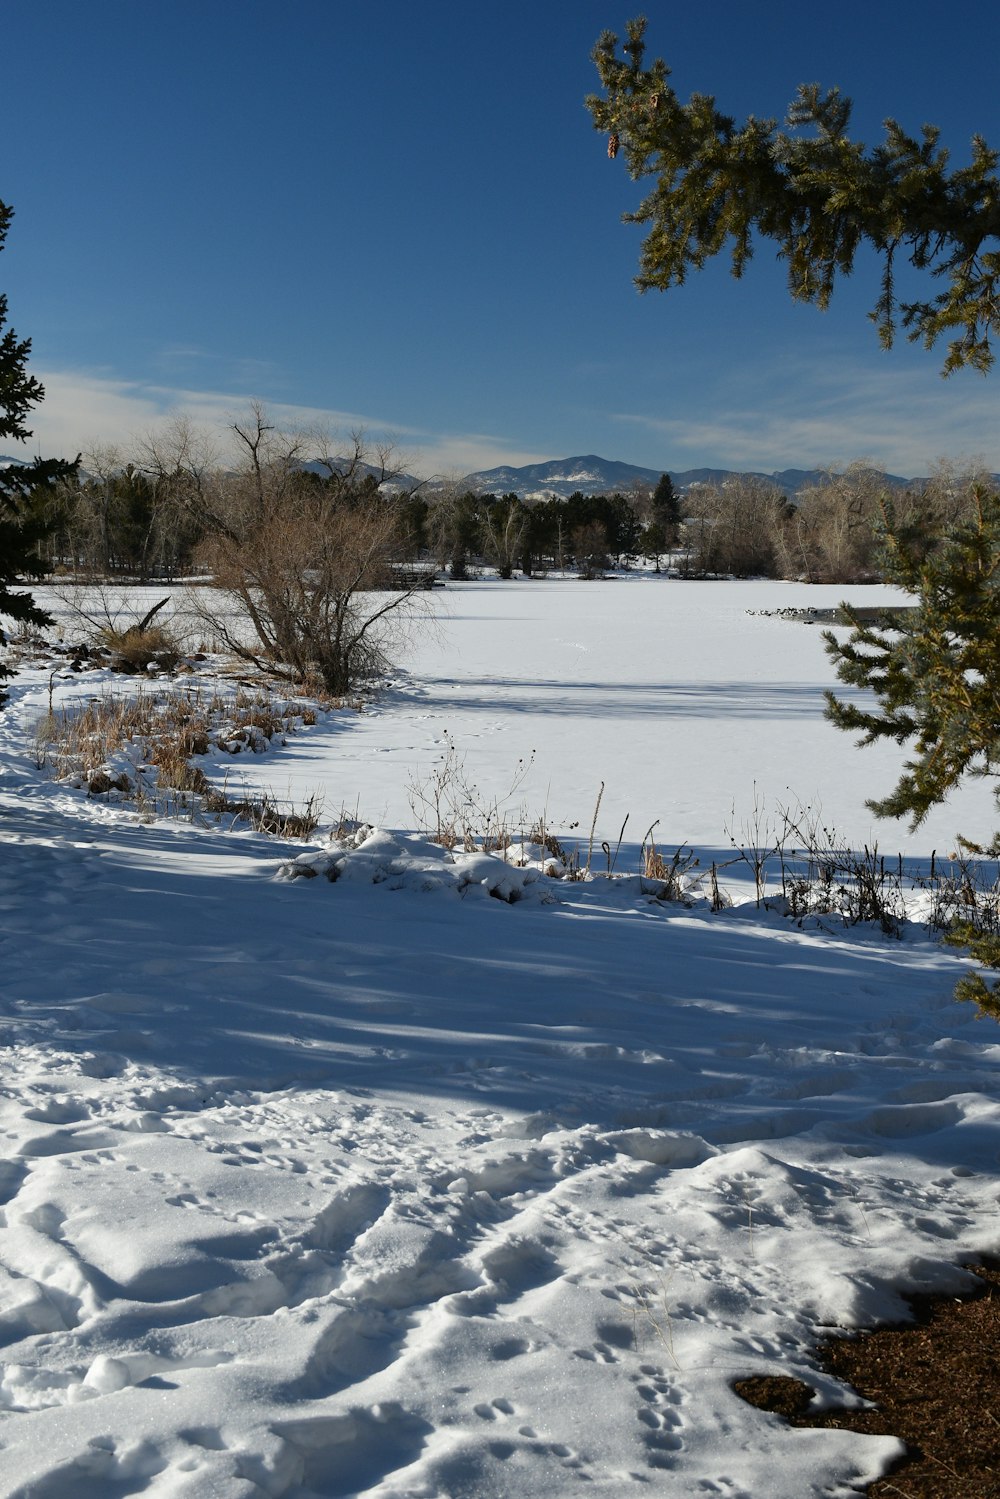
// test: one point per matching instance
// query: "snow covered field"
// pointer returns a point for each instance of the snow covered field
(375, 1188)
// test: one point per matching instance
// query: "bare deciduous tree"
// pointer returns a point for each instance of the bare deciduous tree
(734, 528)
(303, 559)
(503, 527)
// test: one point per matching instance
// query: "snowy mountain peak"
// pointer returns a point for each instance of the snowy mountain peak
(591, 474)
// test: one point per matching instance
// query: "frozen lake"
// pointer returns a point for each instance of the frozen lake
(678, 696)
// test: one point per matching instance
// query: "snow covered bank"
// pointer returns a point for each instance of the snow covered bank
(391, 1189)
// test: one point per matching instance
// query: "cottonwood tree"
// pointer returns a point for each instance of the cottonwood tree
(114, 521)
(453, 527)
(812, 191)
(502, 528)
(590, 542)
(615, 515)
(734, 528)
(303, 560)
(21, 523)
(655, 543)
(830, 534)
(947, 498)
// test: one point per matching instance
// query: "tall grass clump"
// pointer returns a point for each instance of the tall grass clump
(141, 749)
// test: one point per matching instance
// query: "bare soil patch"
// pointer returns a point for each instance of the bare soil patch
(935, 1384)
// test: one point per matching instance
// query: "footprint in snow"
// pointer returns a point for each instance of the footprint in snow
(508, 1348)
(659, 1415)
(599, 1353)
(497, 1410)
(489, 1412)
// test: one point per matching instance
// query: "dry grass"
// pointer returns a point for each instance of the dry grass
(136, 649)
(672, 875)
(141, 749)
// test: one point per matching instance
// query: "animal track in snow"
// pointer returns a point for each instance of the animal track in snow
(347, 1215)
(659, 1415)
(12, 1174)
(489, 1412)
(56, 1110)
(64, 1142)
(906, 1120)
(501, 1411)
(508, 1348)
(598, 1353)
(356, 1342)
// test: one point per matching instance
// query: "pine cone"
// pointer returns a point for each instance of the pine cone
(613, 144)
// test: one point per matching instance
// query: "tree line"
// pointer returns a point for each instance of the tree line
(154, 513)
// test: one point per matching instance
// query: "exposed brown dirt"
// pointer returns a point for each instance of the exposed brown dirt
(935, 1385)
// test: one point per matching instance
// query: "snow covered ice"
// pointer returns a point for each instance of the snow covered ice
(381, 1187)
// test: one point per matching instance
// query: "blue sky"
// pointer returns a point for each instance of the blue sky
(400, 217)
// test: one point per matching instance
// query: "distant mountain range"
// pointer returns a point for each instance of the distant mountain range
(590, 474)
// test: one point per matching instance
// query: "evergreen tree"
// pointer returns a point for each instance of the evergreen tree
(811, 190)
(666, 508)
(20, 484)
(622, 527)
(820, 197)
(935, 673)
(935, 669)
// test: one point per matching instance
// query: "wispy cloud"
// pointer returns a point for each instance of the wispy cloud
(176, 363)
(795, 414)
(84, 409)
(813, 416)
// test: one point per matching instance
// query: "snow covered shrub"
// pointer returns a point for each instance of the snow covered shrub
(263, 814)
(965, 892)
(873, 890)
(99, 612)
(563, 863)
(80, 744)
(755, 840)
(821, 875)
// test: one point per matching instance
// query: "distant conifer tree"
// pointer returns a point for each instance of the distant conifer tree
(666, 507)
